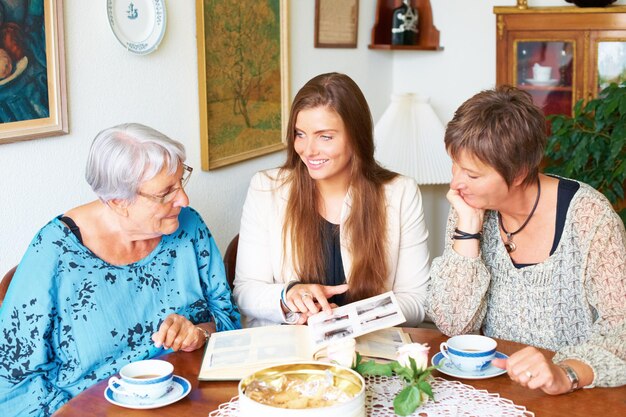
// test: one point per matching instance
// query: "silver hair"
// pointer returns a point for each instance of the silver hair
(122, 157)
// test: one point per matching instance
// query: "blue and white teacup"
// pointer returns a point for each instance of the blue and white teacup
(469, 352)
(145, 380)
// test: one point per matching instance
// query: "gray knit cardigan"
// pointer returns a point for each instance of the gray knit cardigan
(573, 303)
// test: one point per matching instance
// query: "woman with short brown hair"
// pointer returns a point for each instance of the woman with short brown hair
(532, 258)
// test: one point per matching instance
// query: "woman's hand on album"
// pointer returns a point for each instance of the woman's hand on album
(178, 333)
(309, 299)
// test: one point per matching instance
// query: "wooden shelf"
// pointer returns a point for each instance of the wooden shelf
(427, 36)
(405, 47)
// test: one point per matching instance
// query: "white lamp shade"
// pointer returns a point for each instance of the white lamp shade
(409, 140)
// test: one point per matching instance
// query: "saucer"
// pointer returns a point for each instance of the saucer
(549, 83)
(179, 389)
(449, 369)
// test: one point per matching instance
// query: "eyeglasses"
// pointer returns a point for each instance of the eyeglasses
(167, 198)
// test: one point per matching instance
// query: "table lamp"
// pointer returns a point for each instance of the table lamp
(409, 140)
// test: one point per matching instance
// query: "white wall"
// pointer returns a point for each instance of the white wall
(466, 65)
(107, 85)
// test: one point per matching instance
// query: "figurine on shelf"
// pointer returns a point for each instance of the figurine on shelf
(404, 24)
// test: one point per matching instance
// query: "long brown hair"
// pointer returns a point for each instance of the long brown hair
(366, 226)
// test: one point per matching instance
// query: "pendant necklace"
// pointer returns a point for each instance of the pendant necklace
(509, 244)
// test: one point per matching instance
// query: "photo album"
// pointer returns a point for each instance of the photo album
(233, 354)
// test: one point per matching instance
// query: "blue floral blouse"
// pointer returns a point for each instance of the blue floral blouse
(70, 319)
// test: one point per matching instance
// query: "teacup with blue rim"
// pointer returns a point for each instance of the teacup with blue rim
(146, 380)
(469, 352)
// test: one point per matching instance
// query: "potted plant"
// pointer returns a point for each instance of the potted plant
(590, 146)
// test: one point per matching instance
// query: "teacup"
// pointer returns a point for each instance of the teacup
(469, 352)
(146, 380)
(541, 73)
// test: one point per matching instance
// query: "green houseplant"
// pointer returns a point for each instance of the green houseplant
(590, 146)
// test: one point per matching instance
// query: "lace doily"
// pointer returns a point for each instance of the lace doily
(452, 399)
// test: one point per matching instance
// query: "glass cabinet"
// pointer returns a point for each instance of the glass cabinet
(560, 54)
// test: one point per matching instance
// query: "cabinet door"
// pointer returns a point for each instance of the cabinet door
(549, 66)
(607, 63)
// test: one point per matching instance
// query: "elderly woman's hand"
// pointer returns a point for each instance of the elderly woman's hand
(178, 333)
(531, 369)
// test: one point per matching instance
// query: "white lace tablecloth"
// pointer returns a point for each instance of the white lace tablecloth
(452, 399)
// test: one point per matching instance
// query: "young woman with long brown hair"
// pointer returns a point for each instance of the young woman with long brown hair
(330, 226)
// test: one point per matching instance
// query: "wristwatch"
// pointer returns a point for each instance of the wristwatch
(571, 375)
(205, 333)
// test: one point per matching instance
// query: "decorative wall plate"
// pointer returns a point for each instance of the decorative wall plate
(139, 25)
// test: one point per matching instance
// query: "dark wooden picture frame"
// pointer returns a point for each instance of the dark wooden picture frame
(336, 23)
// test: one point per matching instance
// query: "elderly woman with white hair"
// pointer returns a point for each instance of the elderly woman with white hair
(119, 279)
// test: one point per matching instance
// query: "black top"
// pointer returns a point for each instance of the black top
(332, 257)
(565, 194)
(73, 227)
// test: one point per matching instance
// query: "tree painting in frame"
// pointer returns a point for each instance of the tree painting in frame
(32, 70)
(243, 79)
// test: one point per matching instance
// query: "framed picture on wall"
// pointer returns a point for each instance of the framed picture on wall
(336, 23)
(243, 79)
(32, 70)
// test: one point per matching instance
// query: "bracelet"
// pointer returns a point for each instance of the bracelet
(571, 375)
(461, 235)
(286, 289)
(205, 332)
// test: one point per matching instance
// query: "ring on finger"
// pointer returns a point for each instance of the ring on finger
(306, 294)
(529, 374)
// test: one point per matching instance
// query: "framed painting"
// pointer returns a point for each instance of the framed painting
(336, 23)
(32, 70)
(243, 79)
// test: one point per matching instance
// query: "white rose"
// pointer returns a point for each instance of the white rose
(342, 352)
(417, 351)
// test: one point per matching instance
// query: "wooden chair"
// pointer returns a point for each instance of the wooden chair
(230, 260)
(4, 284)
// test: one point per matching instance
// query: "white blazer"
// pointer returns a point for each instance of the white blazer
(261, 274)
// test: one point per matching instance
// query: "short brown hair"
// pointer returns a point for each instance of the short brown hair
(504, 129)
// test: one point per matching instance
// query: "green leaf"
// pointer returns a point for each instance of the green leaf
(425, 388)
(358, 360)
(414, 366)
(372, 368)
(590, 146)
(423, 376)
(622, 104)
(406, 373)
(611, 105)
(407, 401)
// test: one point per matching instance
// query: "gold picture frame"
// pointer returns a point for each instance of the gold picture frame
(243, 79)
(336, 23)
(33, 102)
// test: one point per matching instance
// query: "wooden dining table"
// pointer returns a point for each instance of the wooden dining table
(206, 396)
